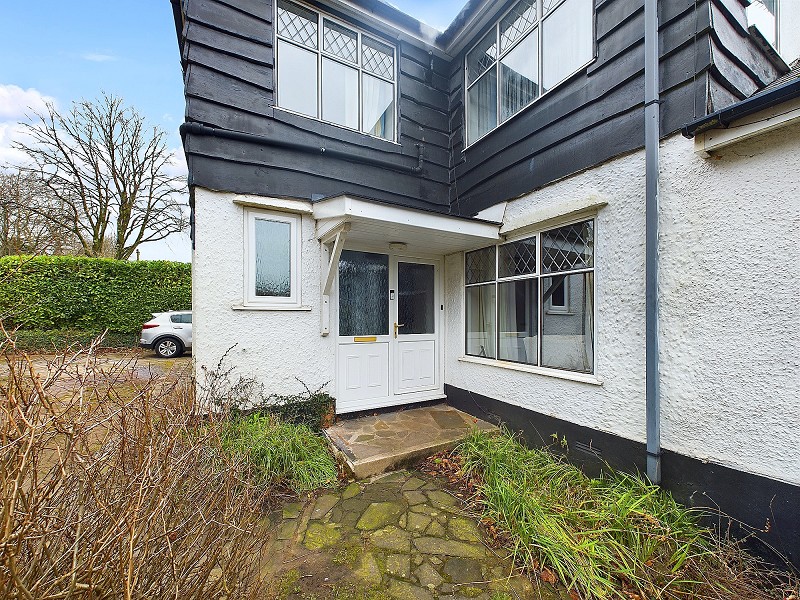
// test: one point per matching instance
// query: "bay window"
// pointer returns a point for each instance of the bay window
(531, 301)
(535, 46)
(333, 72)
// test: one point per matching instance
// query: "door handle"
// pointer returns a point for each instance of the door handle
(398, 326)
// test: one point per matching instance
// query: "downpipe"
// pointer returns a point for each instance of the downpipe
(652, 114)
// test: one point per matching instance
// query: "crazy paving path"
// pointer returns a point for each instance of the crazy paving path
(400, 536)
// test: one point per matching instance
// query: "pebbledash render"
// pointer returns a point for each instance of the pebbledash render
(404, 215)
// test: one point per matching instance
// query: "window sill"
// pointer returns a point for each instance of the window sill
(568, 375)
(271, 307)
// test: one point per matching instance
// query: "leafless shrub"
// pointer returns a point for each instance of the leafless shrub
(111, 488)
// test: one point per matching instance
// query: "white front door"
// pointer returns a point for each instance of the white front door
(415, 341)
(388, 324)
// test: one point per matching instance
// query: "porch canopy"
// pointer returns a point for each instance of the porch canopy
(387, 228)
(374, 225)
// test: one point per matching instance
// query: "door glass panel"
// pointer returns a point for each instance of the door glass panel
(363, 293)
(415, 300)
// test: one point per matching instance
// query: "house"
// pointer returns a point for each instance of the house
(409, 215)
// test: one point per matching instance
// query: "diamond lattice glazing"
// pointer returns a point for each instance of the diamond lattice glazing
(297, 23)
(517, 258)
(377, 58)
(340, 41)
(482, 56)
(516, 23)
(548, 4)
(568, 248)
(479, 265)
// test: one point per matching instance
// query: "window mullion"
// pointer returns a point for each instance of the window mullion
(539, 302)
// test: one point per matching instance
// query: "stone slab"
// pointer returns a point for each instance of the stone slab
(379, 443)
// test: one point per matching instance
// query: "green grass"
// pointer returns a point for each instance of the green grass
(602, 537)
(279, 453)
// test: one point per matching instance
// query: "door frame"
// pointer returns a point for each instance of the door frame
(394, 399)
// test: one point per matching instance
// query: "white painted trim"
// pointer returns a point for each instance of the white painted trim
(558, 374)
(548, 216)
(496, 213)
(354, 210)
(747, 127)
(278, 204)
(295, 222)
(251, 307)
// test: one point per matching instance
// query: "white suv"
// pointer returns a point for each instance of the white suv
(169, 333)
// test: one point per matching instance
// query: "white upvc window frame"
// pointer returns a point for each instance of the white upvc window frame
(323, 54)
(539, 27)
(538, 275)
(294, 300)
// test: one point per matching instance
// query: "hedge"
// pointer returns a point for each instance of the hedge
(89, 294)
(35, 340)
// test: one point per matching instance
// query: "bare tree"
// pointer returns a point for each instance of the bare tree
(24, 230)
(109, 173)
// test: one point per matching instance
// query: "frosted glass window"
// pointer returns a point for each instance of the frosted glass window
(378, 107)
(520, 74)
(415, 298)
(480, 320)
(482, 99)
(339, 93)
(363, 294)
(297, 79)
(568, 337)
(567, 41)
(273, 243)
(518, 314)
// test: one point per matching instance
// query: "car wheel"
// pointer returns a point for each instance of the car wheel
(169, 348)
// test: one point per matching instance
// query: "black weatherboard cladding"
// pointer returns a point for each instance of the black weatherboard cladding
(229, 77)
(708, 61)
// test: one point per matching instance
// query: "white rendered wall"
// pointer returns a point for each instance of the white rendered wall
(618, 405)
(275, 347)
(730, 303)
(730, 306)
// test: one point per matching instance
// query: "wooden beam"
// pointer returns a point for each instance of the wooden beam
(330, 265)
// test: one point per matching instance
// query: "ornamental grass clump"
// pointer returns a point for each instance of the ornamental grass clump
(277, 453)
(617, 536)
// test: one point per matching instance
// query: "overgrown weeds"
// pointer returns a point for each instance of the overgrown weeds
(279, 453)
(615, 536)
(230, 392)
(119, 494)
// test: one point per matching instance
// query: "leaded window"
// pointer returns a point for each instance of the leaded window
(331, 71)
(531, 301)
(533, 47)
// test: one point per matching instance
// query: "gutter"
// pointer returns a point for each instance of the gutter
(199, 129)
(723, 118)
(652, 135)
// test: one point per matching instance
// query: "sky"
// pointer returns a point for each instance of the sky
(61, 51)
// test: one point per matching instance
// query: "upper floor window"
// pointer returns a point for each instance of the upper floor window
(334, 73)
(535, 46)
